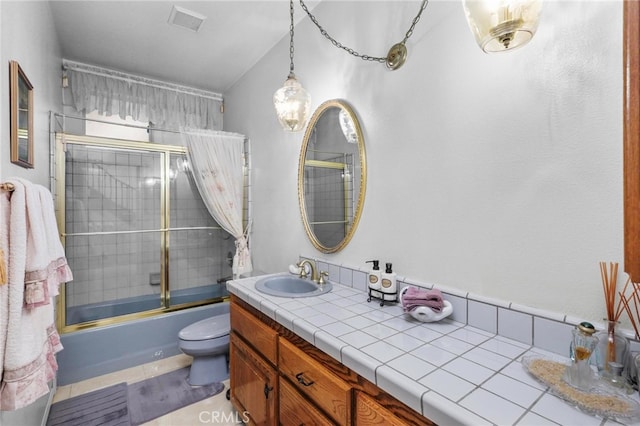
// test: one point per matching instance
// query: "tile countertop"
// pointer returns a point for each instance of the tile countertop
(448, 371)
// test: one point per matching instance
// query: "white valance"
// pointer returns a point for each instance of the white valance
(164, 104)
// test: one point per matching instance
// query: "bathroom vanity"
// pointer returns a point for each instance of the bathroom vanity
(336, 359)
(279, 378)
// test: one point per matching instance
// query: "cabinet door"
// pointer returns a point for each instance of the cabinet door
(370, 413)
(296, 410)
(254, 384)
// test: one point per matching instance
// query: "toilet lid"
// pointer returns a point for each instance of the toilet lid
(209, 328)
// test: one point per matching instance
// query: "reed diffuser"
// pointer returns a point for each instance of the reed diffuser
(609, 283)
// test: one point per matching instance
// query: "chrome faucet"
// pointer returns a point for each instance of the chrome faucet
(303, 270)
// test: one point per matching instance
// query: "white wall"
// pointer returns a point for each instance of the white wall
(27, 35)
(497, 174)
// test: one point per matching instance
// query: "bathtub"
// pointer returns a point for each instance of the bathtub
(129, 305)
(93, 352)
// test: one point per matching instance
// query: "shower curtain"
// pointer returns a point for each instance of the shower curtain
(216, 162)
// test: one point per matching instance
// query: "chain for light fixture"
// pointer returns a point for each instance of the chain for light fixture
(291, 50)
(396, 56)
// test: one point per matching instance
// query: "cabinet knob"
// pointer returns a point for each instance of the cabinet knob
(302, 380)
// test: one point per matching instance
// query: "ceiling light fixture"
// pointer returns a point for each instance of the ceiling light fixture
(291, 101)
(186, 18)
(501, 25)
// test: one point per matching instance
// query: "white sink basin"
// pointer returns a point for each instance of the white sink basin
(291, 286)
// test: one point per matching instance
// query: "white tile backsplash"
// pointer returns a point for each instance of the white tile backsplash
(483, 315)
(552, 335)
(546, 330)
(515, 325)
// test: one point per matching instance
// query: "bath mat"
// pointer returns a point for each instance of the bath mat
(160, 395)
(106, 407)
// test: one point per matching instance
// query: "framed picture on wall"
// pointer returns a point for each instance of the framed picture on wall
(21, 116)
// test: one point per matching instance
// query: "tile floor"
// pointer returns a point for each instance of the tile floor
(215, 410)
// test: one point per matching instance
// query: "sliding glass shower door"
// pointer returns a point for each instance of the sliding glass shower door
(138, 237)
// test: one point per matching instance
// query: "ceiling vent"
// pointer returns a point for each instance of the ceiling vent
(186, 18)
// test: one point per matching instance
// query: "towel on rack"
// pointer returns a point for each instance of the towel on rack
(46, 266)
(414, 297)
(28, 337)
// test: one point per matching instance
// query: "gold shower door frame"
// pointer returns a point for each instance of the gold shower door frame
(62, 139)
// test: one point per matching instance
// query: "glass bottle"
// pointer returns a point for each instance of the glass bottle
(579, 374)
(612, 347)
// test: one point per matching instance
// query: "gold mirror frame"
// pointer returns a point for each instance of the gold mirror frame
(21, 116)
(359, 202)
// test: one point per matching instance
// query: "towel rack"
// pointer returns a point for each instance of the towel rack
(7, 186)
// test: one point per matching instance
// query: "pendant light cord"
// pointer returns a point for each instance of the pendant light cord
(348, 49)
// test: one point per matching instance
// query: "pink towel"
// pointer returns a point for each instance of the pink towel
(414, 297)
(28, 337)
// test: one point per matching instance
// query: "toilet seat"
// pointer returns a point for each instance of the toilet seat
(208, 328)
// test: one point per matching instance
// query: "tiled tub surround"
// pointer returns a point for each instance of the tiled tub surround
(463, 370)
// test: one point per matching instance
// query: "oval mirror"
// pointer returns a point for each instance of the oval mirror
(332, 176)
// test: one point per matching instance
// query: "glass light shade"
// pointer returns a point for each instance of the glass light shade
(500, 25)
(292, 104)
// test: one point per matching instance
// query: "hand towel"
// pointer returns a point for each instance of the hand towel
(414, 297)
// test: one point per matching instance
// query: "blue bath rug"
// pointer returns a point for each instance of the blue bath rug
(107, 407)
(157, 396)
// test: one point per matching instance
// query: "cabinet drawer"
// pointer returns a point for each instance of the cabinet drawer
(327, 391)
(259, 335)
(295, 410)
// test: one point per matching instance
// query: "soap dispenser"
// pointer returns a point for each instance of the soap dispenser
(388, 283)
(374, 275)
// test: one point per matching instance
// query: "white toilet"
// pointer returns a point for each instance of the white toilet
(207, 341)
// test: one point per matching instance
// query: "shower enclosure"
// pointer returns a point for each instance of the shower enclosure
(138, 237)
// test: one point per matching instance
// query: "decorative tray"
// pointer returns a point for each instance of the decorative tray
(601, 400)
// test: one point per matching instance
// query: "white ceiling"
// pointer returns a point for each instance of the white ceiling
(135, 37)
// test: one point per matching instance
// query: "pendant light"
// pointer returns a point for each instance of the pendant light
(501, 25)
(292, 102)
